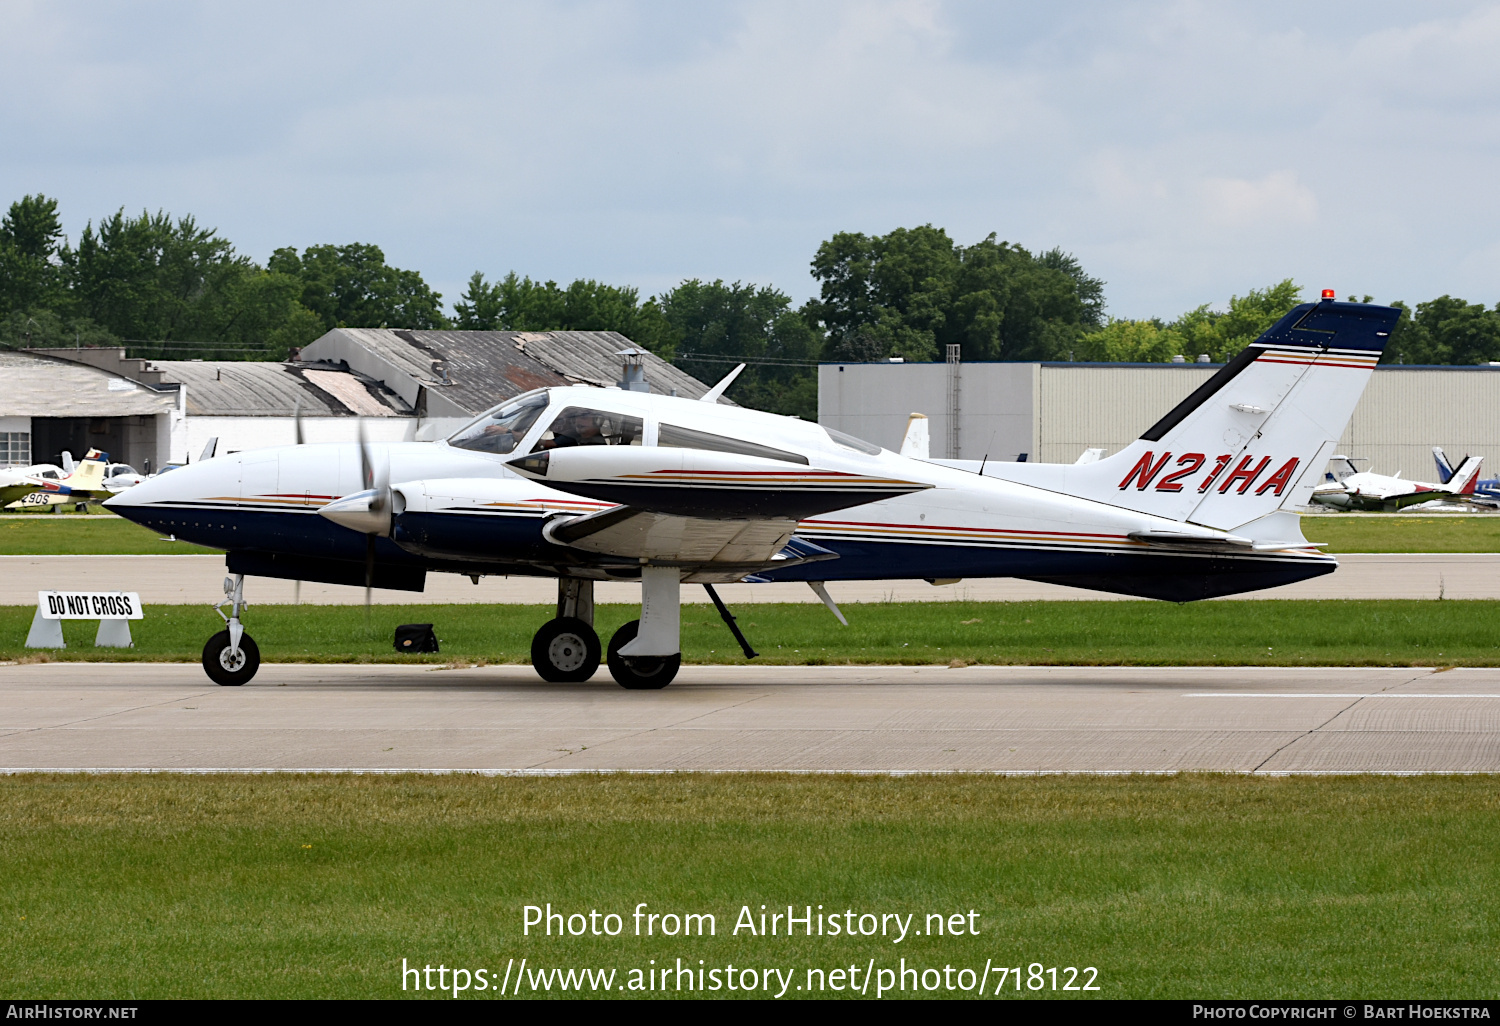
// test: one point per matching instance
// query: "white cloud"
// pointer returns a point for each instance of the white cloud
(1274, 201)
(1175, 146)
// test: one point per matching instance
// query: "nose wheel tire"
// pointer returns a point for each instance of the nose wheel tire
(565, 651)
(639, 673)
(229, 668)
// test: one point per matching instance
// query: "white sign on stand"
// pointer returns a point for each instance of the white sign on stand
(113, 609)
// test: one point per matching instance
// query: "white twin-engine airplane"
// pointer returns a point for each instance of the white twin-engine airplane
(587, 484)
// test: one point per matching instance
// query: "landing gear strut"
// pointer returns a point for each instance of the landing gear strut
(231, 657)
(646, 654)
(566, 649)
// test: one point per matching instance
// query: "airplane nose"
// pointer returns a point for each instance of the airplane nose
(362, 512)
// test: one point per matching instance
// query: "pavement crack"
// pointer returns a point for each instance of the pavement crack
(103, 716)
(660, 726)
(1358, 699)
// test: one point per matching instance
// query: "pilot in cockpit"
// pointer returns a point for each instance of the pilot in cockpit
(574, 427)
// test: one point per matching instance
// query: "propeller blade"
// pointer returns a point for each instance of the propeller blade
(369, 573)
(366, 465)
(297, 422)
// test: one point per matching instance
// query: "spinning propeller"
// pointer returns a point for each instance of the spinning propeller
(378, 507)
(367, 511)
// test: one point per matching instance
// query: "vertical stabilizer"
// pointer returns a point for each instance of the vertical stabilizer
(1466, 477)
(1444, 468)
(1257, 436)
(917, 442)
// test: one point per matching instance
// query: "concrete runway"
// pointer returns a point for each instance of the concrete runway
(869, 719)
(162, 580)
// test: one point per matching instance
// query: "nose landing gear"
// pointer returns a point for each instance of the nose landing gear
(231, 657)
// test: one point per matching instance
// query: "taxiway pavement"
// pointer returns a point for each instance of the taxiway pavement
(162, 580)
(872, 719)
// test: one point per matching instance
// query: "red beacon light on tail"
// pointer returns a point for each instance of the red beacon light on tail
(1330, 294)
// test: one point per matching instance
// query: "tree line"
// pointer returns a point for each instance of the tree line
(170, 289)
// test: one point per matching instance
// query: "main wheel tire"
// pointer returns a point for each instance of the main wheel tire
(226, 668)
(565, 651)
(639, 673)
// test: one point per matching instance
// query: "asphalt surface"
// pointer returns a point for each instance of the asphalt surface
(872, 719)
(163, 580)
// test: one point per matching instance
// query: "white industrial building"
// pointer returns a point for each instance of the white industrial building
(1052, 412)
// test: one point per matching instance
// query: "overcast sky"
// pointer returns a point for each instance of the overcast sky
(1183, 151)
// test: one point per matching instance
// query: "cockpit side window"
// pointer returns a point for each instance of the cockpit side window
(672, 436)
(501, 430)
(576, 425)
(850, 442)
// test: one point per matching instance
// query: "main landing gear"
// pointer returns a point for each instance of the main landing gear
(566, 649)
(643, 655)
(646, 654)
(231, 656)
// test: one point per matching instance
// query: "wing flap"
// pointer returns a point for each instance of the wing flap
(630, 533)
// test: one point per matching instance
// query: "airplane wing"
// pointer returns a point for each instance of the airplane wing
(706, 484)
(710, 550)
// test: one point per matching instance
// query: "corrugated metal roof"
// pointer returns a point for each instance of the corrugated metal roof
(228, 388)
(474, 370)
(43, 386)
(592, 357)
(482, 367)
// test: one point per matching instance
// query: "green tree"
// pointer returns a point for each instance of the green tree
(1202, 331)
(1222, 335)
(46, 329)
(914, 291)
(352, 286)
(1123, 341)
(29, 275)
(520, 304)
(714, 326)
(1445, 330)
(150, 278)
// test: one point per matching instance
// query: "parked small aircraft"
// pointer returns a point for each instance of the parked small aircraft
(586, 484)
(78, 484)
(1485, 488)
(18, 482)
(1353, 489)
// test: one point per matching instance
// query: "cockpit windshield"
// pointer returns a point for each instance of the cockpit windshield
(502, 429)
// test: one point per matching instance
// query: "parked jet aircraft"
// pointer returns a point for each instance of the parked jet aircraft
(586, 484)
(1485, 488)
(1363, 490)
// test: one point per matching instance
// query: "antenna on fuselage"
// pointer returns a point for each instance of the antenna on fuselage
(713, 394)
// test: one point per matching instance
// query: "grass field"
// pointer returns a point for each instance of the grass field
(1404, 532)
(1390, 632)
(40, 535)
(1184, 887)
(86, 535)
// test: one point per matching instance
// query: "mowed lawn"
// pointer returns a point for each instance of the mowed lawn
(45, 534)
(1404, 532)
(95, 535)
(1191, 886)
(1281, 632)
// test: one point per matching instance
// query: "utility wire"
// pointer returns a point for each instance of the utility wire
(705, 358)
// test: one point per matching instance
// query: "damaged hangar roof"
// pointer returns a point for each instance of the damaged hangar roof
(46, 386)
(474, 370)
(227, 388)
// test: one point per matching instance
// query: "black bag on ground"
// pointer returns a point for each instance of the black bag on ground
(416, 637)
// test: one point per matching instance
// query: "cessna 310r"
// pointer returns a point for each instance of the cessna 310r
(587, 484)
